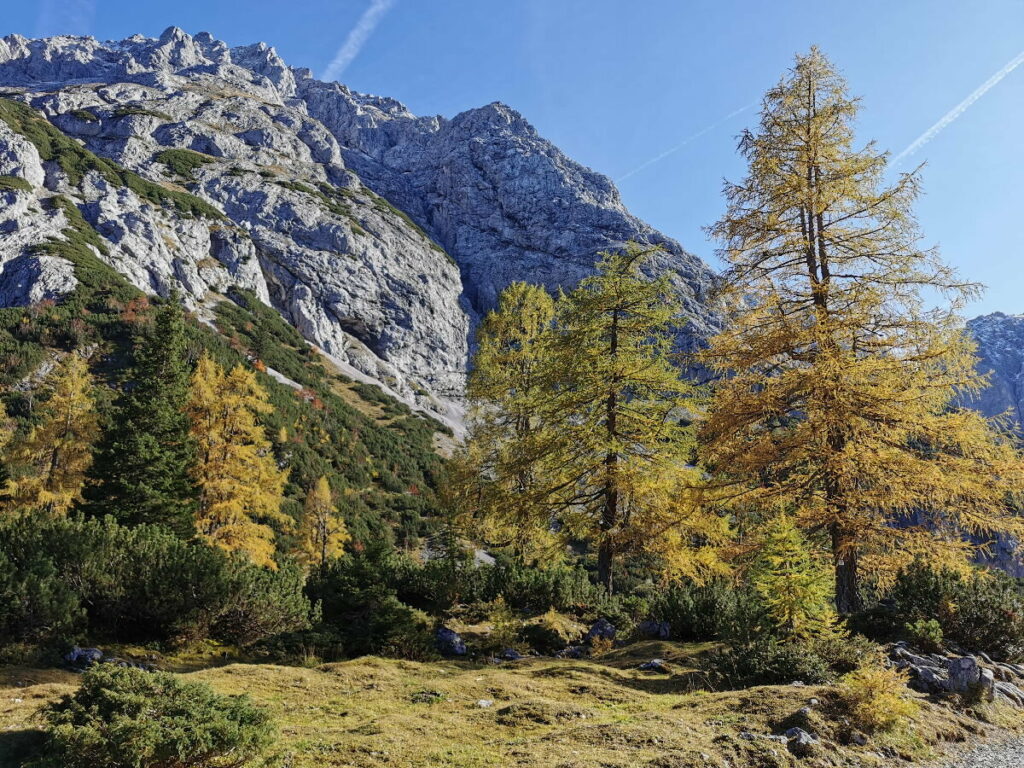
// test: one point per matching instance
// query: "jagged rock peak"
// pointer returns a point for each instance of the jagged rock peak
(342, 208)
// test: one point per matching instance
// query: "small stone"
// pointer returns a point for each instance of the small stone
(602, 628)
(800, 742)
(655, 665)
(485, 703)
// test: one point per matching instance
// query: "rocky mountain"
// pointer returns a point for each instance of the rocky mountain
(1000, 340)
(379, 235)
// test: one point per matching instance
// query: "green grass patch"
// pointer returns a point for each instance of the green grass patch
(84, 115)
(15, 183)
(373, 712)
(182, 162)
(75, 160)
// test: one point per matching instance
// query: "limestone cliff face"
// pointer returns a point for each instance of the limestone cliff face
(1000, 340)
(381, 236)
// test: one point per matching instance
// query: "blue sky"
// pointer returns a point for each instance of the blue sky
(616, 84)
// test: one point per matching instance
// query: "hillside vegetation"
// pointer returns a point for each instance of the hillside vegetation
(251, 559)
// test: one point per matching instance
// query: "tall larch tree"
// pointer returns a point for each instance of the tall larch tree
(844, 354)
(323, 534)
(143, 473)
(502, 469)
(240, 485)
(586, 420)
(52, 460)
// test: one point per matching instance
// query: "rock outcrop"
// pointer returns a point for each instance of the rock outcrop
(381, 236)
(1000, 340)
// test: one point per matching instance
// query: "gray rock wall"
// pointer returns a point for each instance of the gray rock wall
(298, 167)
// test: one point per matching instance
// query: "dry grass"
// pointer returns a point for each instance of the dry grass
(374, 712)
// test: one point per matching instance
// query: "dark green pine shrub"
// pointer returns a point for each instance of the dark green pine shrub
(767, 660)
(983, 611)
(701, 612)
(68, 579)
(141, 473)
(124, 717)
(360, 609)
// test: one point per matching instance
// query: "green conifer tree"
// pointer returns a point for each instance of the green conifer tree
(795, 587)
(143, 473)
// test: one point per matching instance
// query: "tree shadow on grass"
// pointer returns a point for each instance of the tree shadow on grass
(684, 682)
(17, 747)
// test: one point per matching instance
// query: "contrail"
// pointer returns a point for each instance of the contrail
(684, 142)
(357, 38)
(960, 108)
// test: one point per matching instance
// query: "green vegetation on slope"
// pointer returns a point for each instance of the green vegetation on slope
(16, 183)
(76, 161)
(182, 162)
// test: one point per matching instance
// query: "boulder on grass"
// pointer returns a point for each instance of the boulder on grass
(449, 642)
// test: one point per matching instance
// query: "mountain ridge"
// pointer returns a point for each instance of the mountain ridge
(381, 236)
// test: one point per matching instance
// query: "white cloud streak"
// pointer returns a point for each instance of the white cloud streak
(357, 38)
(684, 142)
(959, 109)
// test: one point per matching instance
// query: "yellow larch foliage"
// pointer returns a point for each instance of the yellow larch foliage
(240, 484)
(323, 531)
(844, 353)
(52, 460)
(580, 423)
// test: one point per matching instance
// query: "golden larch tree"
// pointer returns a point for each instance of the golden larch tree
(844, 352)
(240, 485)
(52, 460)
(582, 427)
(323, 534)
(500, 474)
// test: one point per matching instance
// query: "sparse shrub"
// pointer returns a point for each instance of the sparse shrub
(131, 109)
(122, 717)
(84, 115)
(182, 162)
(551, 632)
(925, 634)
(505, 625)
(14, 182)
(876, 696)
(601, 646)
(765, 662)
